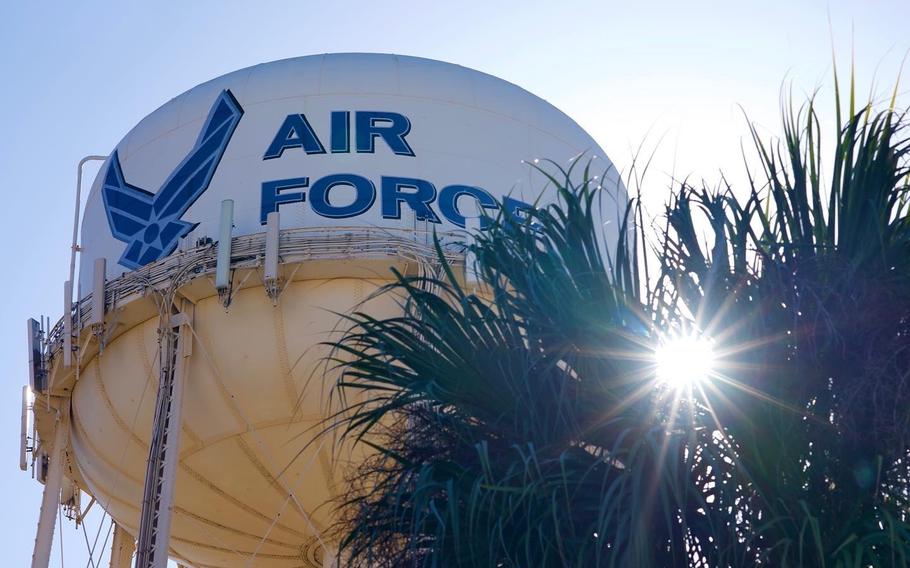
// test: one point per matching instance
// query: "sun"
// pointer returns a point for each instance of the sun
(684, 361)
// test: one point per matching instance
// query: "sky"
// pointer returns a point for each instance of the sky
(676, 78)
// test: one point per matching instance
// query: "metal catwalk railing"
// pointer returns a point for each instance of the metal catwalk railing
(247, 251)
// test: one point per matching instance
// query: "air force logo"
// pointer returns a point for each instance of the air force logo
(150, 224)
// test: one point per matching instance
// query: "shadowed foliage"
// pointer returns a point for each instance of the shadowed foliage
(806, 284)
(519, 422)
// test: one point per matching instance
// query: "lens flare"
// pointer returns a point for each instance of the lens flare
(684, 361)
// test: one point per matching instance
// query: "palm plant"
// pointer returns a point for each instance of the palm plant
(521, 424)
(807, 284)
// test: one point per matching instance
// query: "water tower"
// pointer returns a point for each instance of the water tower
(220, 239)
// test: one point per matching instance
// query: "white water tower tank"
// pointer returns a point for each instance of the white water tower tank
(363, 156)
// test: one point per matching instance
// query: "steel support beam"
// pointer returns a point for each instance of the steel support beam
(164, 451)
(122, 548)
(50, 500)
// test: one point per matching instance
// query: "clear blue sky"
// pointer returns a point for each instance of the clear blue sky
(77, 75)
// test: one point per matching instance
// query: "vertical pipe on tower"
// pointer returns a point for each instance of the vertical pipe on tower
(75, 247)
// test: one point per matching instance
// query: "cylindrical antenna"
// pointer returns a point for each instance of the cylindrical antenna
(223, 260)
(67, 323)
(98, 292)
(273, 229)
(23, 436)
(472, 227)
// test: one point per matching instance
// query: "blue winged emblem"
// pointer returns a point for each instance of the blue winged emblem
(150, 224)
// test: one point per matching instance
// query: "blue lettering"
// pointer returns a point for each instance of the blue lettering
(272, 197)
(419, 199)
(448, 203)
(295, 132)
(390, 126)
(341, 132)
(418, 194)
(319, 196)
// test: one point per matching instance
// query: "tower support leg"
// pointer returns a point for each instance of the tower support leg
(164, 451)
(122, 548)
(50, 500)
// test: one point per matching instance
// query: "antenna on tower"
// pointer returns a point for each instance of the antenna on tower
(223, 258)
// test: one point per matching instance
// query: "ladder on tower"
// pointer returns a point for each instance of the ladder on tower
(164, 450)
